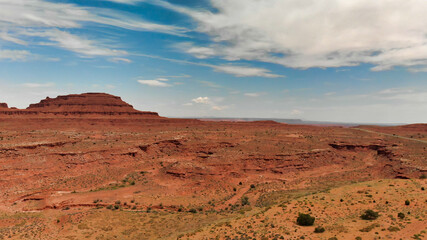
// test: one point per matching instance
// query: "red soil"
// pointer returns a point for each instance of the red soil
(77, 149)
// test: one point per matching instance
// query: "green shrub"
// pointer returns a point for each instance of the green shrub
(192, 210)
(305, 220)
(401, 215)
(369, 215)
(319, 229)
(407, 202)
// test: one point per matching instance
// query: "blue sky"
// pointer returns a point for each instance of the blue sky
(338, 60)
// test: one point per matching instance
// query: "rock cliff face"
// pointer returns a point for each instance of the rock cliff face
(3, 105)
(83, 104)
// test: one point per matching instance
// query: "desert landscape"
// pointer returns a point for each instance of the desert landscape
(90, 166)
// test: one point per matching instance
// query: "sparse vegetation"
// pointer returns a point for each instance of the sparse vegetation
(369, 215)
(245, 201)
(305, 220)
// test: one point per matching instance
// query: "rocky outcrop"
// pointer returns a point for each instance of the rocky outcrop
(82, 104)
(3, 105)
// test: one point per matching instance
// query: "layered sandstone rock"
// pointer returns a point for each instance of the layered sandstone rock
(83, 104)
(3, 105)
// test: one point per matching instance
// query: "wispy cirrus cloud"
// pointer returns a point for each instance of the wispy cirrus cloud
(254, 94)
(132, 2)
(236, 70)
(37, 85)
(21, 20)
(243, 71)
(14, 55)
(159, 82)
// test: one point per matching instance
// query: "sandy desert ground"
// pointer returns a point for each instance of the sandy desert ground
(119, 174)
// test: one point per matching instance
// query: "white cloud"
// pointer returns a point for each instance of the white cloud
(159, 82)
(330, 93)
(132, 2)
(296, 112)
(37, 85)
(307, 33)
(255, 94)
(395, 91)
(21, 19)
(118, 60)
(240, 71)
(206, 101)
(8, 37)
(219, 108)
(210, 84)
(14, 55)
(201, 100)
(403, 95)
(199, 52)
(74, 43)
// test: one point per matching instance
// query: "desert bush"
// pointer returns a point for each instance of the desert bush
(401, 215)
(245, 201)
(192, 210)
(305, 220)
(407, 202)
(369, 228)
(369, 215)
(393, 229)
(252, 186)
(319, 229)
(333, 238)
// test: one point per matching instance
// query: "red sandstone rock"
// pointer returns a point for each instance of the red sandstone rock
(3, 105)
(82, 104)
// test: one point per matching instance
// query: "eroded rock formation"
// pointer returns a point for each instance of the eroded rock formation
(81, 104)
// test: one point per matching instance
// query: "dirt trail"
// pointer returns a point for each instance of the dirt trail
(234, 199)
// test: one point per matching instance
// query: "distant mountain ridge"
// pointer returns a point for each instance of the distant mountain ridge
(298, 121)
